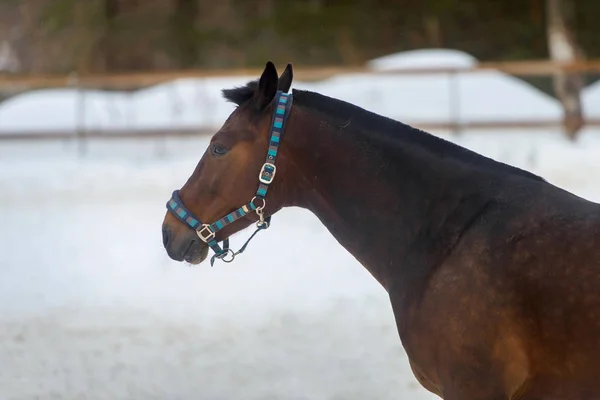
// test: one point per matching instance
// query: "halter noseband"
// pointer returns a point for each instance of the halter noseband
(207, 232)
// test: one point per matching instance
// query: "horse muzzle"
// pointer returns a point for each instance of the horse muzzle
(184, 246)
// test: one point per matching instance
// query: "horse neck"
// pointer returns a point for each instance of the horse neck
(396, 208)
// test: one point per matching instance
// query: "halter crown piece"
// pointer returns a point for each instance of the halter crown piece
(207, 232)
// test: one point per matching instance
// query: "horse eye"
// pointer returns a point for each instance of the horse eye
(218, 150)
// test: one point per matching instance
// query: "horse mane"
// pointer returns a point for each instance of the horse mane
(241, 94)
(390, 132)
(387, 131)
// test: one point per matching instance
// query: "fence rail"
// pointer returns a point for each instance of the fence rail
(142, 79)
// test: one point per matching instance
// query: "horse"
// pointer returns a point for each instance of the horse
(492, 272)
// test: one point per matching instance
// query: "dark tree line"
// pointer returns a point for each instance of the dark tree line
(129, 35)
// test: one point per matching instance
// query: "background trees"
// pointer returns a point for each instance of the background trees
(129, 35)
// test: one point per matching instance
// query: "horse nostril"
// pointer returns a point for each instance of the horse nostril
(165, 234)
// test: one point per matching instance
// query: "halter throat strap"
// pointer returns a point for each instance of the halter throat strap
(207, 232)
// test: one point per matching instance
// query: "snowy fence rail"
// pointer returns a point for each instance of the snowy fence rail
(452, 97)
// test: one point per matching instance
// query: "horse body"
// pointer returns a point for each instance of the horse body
(513, 310)
(492, 273)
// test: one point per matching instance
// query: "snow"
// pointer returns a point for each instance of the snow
(180, 103)
(92, 307)
(591, 100)
(423, 59)
(481, 96)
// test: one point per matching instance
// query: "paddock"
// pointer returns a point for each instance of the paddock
(107, 314)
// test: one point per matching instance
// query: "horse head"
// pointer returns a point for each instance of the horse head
(227, 191)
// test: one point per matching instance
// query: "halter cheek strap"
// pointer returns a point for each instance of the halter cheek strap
(207, 232)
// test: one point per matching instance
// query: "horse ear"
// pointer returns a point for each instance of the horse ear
(285, 80)
(267, 87)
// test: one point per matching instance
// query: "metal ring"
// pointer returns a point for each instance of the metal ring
(223, 255)
(261, 207)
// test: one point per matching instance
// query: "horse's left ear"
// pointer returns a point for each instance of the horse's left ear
(285, 80)
(267, 87)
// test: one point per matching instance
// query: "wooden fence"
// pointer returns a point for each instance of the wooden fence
(128, 81)
(11, 83)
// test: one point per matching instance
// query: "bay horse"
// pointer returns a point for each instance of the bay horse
(492, 272)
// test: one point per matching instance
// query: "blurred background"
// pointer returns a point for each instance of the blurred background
(106, 107)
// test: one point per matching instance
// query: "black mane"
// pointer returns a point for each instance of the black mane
(240, 95)
(388, 130)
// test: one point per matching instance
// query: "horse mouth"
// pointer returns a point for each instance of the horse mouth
(196, 253)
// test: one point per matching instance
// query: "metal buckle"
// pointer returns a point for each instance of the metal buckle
(210, 235)
(270, 174)
(261, 223)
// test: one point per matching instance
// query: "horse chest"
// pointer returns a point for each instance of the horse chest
(460, 333)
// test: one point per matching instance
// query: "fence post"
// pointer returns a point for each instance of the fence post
(74, 81)
(454, 97)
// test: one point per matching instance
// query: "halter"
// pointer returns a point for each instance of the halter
(207, 232)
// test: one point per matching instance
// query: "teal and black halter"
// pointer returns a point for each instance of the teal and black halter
(207, 232)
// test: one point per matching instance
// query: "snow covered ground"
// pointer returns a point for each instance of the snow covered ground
(91, 306)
